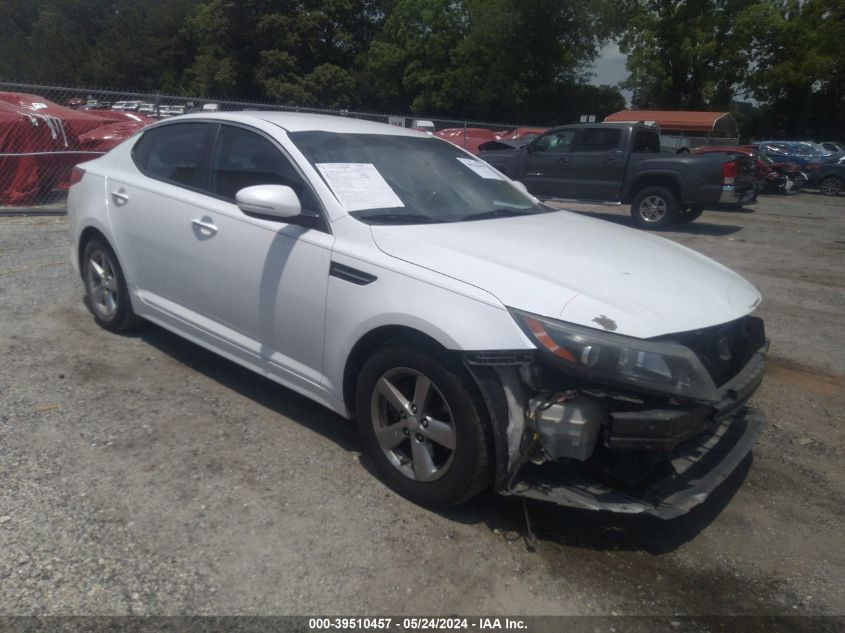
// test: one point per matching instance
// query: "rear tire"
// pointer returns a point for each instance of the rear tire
(106, 292)
(690, 214)
(435, 452)
(654, 208)
(831, 185)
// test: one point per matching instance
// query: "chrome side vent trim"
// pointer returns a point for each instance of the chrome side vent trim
(352, 275)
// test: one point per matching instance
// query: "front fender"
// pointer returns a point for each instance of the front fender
(459, 321)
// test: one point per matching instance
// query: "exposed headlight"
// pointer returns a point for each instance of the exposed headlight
(661, 367)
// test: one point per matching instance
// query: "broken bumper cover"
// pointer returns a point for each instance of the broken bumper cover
(694, 467)
(698, 466)
(731, 195)
(663, 429)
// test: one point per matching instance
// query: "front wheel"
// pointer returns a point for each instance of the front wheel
(831, 186)
(654, 208)
(424, 425)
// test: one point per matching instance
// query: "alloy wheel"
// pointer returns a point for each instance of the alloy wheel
(413, 424)
(653, 208)
(831, 186)
(102, 284)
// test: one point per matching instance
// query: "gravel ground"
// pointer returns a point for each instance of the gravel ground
(141, 474)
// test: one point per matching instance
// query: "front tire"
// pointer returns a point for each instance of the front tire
(654, 208)
(106, 292)
(424, 425)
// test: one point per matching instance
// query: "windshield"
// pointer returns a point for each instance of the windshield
(392, 179)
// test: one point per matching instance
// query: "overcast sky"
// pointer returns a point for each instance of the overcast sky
(609, 68)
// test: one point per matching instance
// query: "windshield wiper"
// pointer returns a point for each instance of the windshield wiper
(397, 218)
(498, 213)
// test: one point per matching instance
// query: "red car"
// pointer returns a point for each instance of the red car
(522, 132)
(769, 176)
(468, 138)
(793, 172)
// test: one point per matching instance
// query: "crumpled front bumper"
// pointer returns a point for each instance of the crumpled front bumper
(663, 429)
(697, 467)
(702, 452)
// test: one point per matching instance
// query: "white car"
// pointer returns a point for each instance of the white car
(480, 338)
(148, 109)
(127, 105)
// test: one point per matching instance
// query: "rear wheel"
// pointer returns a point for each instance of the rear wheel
(424, 425)
(831, 185)
(654, 208)
(690, 214)
(106, 292)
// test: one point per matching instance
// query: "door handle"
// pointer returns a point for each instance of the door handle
(611, 161)
(119, 197)
(562, 160)
(205, 226)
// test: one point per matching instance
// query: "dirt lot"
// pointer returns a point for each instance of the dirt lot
(141, 474)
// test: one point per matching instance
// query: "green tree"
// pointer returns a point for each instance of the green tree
(16, 20)
(684, 54)
(295, 51)
(119, 43)
(138, 46)
(62, 38)
(518, 58)
(408, 63)
(491, 59)
(797, 68)
(507, 60)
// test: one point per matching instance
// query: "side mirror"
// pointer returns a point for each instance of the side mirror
(275, 201)
(529, 147)
(521, 186)
(518, 184)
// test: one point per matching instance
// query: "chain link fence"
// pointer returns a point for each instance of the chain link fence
(46, 130)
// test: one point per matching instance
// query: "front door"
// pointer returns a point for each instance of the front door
(545, 172)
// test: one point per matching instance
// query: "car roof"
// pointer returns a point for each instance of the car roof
(304, 122)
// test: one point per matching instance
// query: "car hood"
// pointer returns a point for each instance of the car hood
(582, 270)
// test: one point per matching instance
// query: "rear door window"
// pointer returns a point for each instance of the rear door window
(646, 141)
(596, 139)
(172, 153)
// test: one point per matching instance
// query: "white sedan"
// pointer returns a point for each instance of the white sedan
(480, 338)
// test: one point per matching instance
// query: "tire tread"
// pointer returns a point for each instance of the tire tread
(482, 473)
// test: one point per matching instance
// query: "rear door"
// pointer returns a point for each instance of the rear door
(595, 168)
(151, 199)
(545, 172)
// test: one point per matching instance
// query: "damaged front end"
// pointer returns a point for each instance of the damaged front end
(601, 421)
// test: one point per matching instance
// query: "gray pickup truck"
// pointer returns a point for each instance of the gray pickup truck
(623, 162)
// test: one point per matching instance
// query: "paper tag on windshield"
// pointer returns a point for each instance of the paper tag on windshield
(482, 169)
(359, 186)
(37, 105)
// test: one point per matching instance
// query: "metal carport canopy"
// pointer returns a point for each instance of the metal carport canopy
(714, 123)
